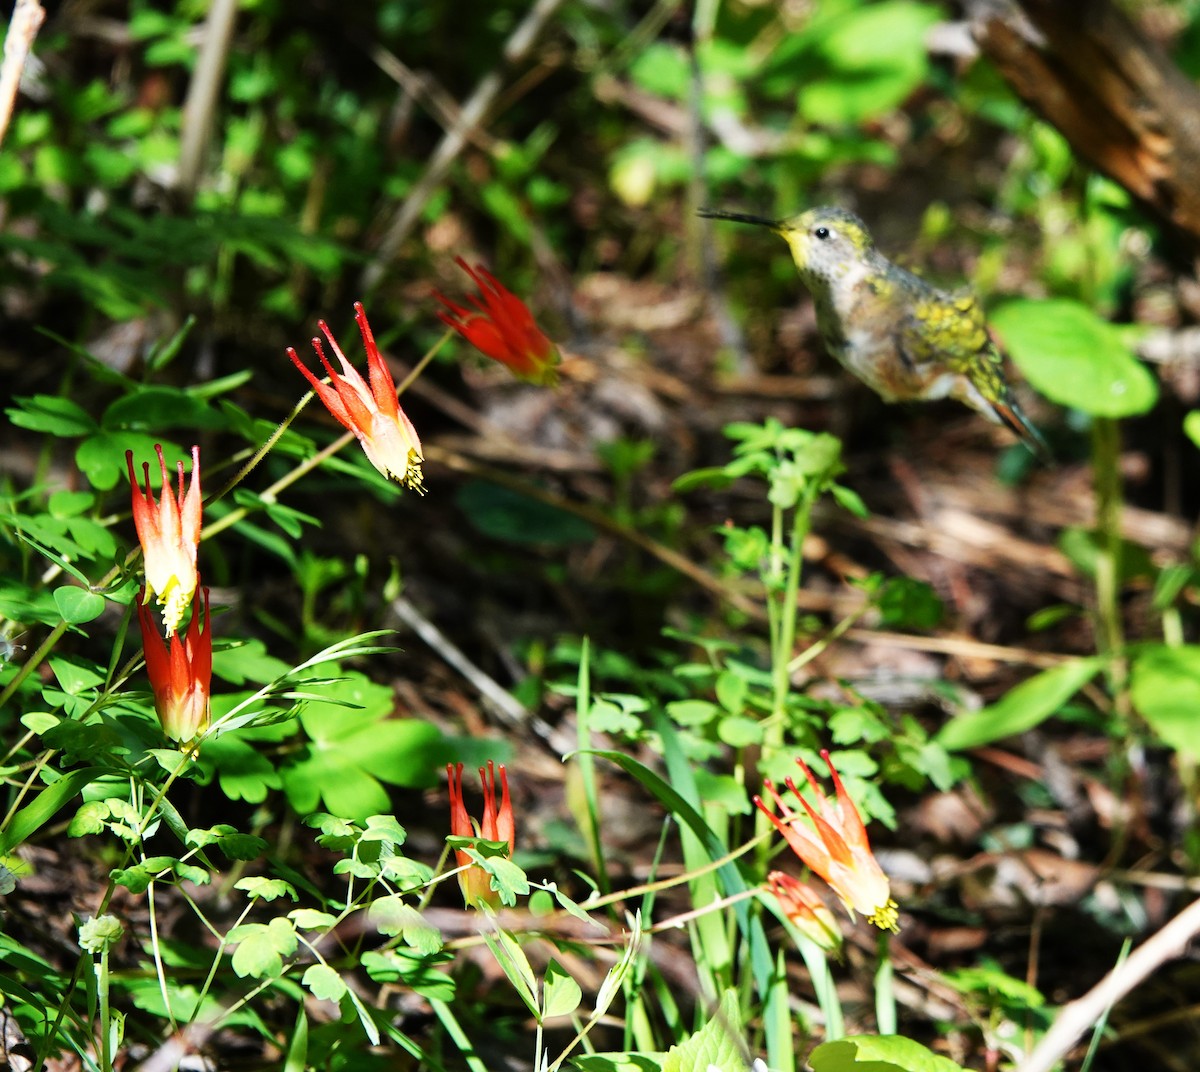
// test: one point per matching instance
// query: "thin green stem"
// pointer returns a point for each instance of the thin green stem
(105, 1025)
(885, 993)
(1110, 637)
(454, 1029)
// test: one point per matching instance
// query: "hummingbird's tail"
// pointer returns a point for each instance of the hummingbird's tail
(1010, 415)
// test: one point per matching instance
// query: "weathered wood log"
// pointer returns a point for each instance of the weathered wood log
(1111, 91)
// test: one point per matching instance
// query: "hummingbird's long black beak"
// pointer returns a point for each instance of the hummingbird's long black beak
(739, 217)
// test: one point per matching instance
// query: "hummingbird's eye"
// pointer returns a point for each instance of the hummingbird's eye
(822, 233)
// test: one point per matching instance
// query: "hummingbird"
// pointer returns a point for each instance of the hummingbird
(903, 337)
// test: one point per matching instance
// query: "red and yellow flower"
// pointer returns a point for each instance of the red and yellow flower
(502, 327)
(837, 849)
(804, 907)
(373, 414)
(180, 672)
(497, 825)
(169, 532)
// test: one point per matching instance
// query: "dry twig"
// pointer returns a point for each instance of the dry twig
(27, 19)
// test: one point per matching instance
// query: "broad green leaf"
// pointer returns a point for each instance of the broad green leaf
(878, 1053)
(384, 828)
(1021, 708)
(150, 409)
(1074, 357)
(399, 751)
(101, 457)
(391, 915)
(78, 605)
(335, 778)
(561, 993)
(718, 1043)
(507, 879)
(51, 415)
(324, 982)
(311, 919)
(1191, 426)
(858, 64)
(248, 661)
(244, 772)
(265, 889)
(662, 68)
(505, 514)
(738, 731)
(1165, 686)
(262, 947)
(731, 689)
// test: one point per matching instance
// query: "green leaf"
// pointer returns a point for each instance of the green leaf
(561, 995)
(856, 65)
(244, 772)
(384, 828)
(718, 1043)
(311, 919)
(150, 409)
(1075, 358)
(248, 661)
(233, 844)
(101, 457)
(731, 689)
(507, 879)
(905, 603)
(661, 68)
(45, 805)
(878, 1053)
(266, 889)
(504, 514)
(78, 605)
(1165, 687)
(738, 731)
(51, 415)
(64, 504)
(1191, 426)
(262, 947)
(512, 960)
(335, 778)
(324, 982)
(1021, 708)
(419, 973)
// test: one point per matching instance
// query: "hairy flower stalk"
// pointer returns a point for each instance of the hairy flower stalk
(837, 850)
(169, 532)
(502, 328)
(373, 414)
(180, 672)
(497, 825)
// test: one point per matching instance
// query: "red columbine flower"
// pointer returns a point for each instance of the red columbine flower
(804, 907)
(497, 825)
(180, 672)
(838, 851)
(502, 327)
(373, 415)
(169, 532)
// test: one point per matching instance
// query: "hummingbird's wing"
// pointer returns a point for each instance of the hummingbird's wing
(946, 332)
